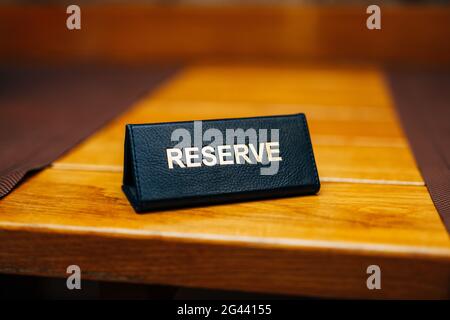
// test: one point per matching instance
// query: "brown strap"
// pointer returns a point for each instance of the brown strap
(46, 111)
(423, 103)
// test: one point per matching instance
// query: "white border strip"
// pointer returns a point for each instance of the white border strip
(372, 181)
(114, 168)
(86, 167)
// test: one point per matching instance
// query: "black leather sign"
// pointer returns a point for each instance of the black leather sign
(203, 162)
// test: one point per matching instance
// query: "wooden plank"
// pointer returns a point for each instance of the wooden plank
(298, 84)
(255, 268)
(76, 213)
(131, 33)
(317, 245)
(351, 139)
(343, 212)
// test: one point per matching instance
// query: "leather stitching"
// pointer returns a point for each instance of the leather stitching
(311, 154)
(136, 174)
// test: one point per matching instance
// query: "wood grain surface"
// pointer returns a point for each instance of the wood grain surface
(372, 209)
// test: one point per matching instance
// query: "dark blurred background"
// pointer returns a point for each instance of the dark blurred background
(167, 31)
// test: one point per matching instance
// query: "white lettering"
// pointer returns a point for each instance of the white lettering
(174, 155)
(241, 150)
(258, 155)
(208, 156)
(191, 154)
(221, 150)
(195, 157)
(271, 152)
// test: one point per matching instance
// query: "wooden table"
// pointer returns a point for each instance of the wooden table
(373, 208)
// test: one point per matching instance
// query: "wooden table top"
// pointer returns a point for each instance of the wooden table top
(373, 208)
